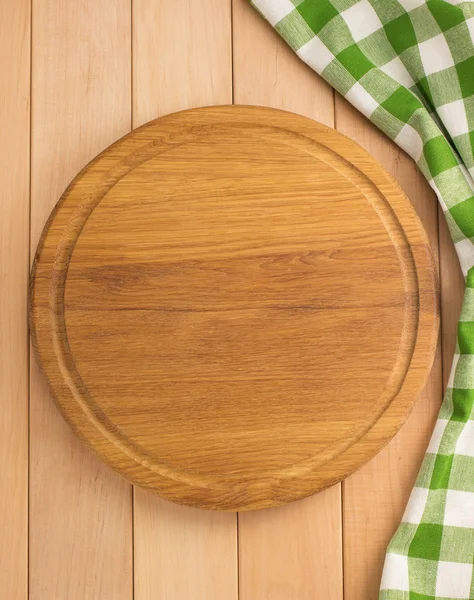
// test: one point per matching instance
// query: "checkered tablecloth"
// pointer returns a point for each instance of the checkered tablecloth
(408, 65)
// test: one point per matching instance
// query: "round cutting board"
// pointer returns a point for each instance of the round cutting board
(235, 307)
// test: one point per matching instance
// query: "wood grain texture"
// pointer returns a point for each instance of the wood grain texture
(387, 480)
(201, 304)
(80, 511)
(181, 552)
(14, 266)
(182, 56)
(267, 72)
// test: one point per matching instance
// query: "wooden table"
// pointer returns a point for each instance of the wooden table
(76, 75)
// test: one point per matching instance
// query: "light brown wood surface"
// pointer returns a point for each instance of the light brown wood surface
(80, 511)
(234, 306)
(14, 267)
(265, 558)
(180, 552)
(276, 547)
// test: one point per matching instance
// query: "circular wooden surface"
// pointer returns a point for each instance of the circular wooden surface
(235, 307)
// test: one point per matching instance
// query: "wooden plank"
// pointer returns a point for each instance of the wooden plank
(183, 552)
(14, 266)
(181, 59)
(293, 551)
(387, 480)
(182, 56)
(80, 511)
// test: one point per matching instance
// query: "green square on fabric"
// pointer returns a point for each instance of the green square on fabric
(469, 107)
(463, 401)
(450, 437)
(401, 33)
(441, 472)
(411, 58)
(429, 128)
(392, 126)
(461, 474)
(464, 375)
(294, 29)
(317, 14)
(459, 42)
(377, 48)
(457, 545)
(434, 508)
(466, 334)
(424, 23)
(463, 214)
(465, 71)
(402, 104)
(416, 596)
(453, 186)
(336, 35)
(392, 595)
(335, 69)
(422, 576)
(354, 61)
(446, 15)
(426, 542)
(439, 155)
(442, 87)
(470, 281)
(467, 310)
(381, 85)
(387, 10)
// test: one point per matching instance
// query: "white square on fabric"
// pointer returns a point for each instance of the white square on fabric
(416, 506)
(411, 4)
(361, 99)
(459, 510)
(465, 443)
(454, 117)
(470, 26)
(395, 573)
(315, 54)
(465, 252)
(275, 10)
(362, 20)
(435, 54)
(397, 71)
(410, 140)
(437, 436)
(453, 580)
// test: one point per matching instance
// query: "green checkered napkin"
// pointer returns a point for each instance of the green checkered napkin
(408, 65)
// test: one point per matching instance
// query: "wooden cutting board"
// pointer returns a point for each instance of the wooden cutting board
(235, 307)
